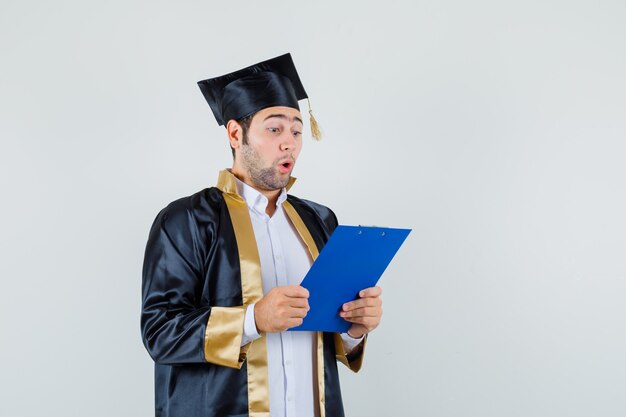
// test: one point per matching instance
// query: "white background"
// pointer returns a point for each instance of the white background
(494, 129)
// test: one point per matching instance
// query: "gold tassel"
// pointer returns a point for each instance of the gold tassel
(316, 132)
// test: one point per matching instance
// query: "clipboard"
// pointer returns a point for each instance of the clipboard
(354, 258)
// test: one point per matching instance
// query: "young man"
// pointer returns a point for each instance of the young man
(222, 270)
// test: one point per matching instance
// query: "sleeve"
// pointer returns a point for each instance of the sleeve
(349, 342)
(352, 359)
(175, 327)
(250, 333)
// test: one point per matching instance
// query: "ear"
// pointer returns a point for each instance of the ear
(235, 134)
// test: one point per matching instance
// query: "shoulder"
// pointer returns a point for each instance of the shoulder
(325, 214)
(319, 209)
(185, 212)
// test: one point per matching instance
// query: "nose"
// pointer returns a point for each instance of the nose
(288, 142)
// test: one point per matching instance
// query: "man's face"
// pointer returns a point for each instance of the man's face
(274, 141)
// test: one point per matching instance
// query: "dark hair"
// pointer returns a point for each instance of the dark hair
(244, 122)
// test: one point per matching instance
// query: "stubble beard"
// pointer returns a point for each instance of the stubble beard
(263, 178)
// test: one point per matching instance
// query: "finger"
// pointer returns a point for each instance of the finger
(298, 313)
(295, 322)
(369, 322)
(296, 291)
(362, 302)
(298, 303)
(371, 292)
(362, 312)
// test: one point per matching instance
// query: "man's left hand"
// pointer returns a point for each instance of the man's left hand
(364, 313)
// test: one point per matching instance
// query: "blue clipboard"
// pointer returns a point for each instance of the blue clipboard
(354, 258)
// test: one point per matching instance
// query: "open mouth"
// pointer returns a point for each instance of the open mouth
(285, 167)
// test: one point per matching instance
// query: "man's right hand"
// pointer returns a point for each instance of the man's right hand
(282, 308)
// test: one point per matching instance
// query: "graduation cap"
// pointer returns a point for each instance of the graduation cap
(274, 82)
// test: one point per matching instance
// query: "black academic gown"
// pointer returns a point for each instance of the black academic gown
(194, 299)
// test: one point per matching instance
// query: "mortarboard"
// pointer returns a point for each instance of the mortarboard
(274, 82)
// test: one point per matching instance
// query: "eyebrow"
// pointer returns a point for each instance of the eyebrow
(283, 116)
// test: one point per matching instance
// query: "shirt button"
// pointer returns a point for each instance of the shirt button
(290, 398)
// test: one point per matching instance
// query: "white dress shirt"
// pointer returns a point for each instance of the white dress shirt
(285, 260)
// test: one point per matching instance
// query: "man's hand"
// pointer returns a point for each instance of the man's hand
(364, 313)
(282, 308)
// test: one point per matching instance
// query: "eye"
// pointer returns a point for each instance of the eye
(296, 133)
(273, 129)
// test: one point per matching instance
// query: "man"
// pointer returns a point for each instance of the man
(222, 268)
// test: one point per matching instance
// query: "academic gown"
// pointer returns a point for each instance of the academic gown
(201, 269)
